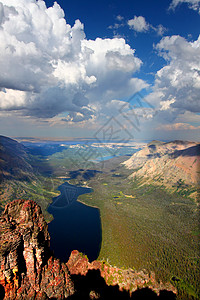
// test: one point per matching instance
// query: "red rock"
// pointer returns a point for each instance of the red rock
(28, 270)
(128, 280)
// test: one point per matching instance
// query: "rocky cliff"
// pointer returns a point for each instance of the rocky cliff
(28, 269)
(128, 282)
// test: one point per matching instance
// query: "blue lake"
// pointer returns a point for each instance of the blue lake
(75, 226)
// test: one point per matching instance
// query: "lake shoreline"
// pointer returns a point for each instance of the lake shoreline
(75, 225)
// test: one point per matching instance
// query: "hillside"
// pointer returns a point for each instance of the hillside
(174, 164)
(147, 225)
(21, 176)
(14, 161)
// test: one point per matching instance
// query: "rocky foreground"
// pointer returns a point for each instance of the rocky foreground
(30, 271)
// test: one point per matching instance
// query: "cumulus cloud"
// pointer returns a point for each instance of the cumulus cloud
(160, 29)
(177, 85)
(193, 4)
(49, 67)
(139, 24)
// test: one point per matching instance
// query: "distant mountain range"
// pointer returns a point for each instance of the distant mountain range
(168, 163)
(172, 164)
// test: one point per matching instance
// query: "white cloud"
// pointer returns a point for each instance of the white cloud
(178, 126)
(120, 23)
(119, 18)
(188, 116)
(160, 29)
(193, 4)
(138, 24)
(12, 99)
(177, 85)
(48, 67)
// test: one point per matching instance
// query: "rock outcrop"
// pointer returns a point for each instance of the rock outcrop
(127, 280)
(28, 270)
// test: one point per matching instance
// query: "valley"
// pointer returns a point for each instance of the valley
(149, 218)
(147, 226)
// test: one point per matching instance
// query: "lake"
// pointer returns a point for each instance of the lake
(75, 226)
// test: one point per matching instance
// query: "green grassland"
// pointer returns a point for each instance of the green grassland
(147, 226)
(41, 190)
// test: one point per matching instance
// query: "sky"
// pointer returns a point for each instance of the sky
(100, 69)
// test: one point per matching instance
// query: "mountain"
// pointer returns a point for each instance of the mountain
(22, 175)
(14, 161)
(29, 270)
(172, 164)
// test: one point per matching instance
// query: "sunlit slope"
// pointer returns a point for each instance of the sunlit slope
(172, 164)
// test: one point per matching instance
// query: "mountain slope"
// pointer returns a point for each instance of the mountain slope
(20, 176)
(171, 164)
(14, 160)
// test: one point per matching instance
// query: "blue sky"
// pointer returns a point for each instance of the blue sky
(99, 16)
(70, 67)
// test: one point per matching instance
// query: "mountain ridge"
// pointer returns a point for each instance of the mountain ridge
(168, 164)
